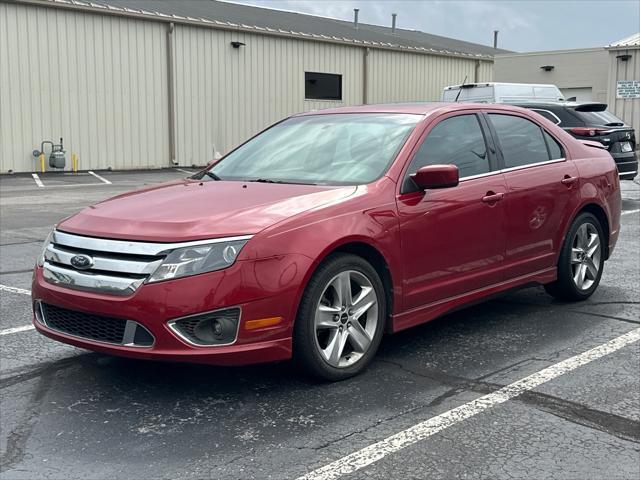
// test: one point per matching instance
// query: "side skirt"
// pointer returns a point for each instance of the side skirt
(433, 310)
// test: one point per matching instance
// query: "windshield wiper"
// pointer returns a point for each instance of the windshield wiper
(270, 180)
(614, 124)
(212, 175)
(265, 180)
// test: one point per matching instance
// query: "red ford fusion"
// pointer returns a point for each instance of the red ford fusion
(327, 230)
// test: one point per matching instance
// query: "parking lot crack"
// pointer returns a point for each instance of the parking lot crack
(18, 437)
(10, 272)
(44, 369)
(610, 423)
(616, 425)
(365, 429)
(610, 317)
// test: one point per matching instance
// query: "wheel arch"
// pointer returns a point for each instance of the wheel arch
(598, 212)
(373, 255)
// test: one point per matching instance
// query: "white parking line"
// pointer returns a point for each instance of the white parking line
(627, 212)
(36, 179)
(23, 291)
(368, 455)
(102, 179)
(24, 328)
(185, 171)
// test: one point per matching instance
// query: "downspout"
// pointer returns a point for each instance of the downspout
(365, 75)
(476, 73)
(171, 95)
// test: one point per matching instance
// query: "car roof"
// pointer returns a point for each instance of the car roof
(416, 108)
(499, 84)
(556, 104)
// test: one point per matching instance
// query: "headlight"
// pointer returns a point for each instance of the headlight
(46, 243)
(198, 259)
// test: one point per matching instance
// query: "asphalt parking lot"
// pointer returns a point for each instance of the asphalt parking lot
(432, 405)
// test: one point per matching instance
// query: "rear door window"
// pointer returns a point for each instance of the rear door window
(555, 149)
(521, 141)
(455, 140)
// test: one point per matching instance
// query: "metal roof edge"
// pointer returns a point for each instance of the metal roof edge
(106, 9)
(550, 52)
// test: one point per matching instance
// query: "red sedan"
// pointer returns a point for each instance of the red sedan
(329, 229)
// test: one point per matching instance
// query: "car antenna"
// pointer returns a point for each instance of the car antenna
(460, 89)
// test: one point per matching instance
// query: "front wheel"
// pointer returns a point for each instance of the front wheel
(341, 318)
(581, 260)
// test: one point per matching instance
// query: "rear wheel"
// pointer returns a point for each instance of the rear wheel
(340, 321)
(581, 260)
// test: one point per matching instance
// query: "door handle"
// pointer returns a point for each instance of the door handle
(568, 180)
(492, 197)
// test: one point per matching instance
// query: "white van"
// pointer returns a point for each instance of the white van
(502, 93)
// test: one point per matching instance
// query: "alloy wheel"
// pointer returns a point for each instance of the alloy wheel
(585, 256)
(346, 318)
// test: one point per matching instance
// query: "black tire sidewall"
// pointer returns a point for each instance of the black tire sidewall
(565, 274)
(305, 350)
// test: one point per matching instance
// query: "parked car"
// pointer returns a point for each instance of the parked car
(592, 121)
(502, 93)
(328, 229)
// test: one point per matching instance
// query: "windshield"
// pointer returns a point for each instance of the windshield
(603, 117)
(320, 149)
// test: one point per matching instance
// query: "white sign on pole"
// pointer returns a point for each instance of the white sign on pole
(628, 89)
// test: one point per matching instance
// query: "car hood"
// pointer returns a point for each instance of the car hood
(192, 210)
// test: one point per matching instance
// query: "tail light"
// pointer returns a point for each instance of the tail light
(587, 132)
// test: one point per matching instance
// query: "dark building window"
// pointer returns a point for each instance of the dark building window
(322, 86)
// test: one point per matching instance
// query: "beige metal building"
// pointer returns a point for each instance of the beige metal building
(578, 73)
(128, 86)
(624, 81)
(609, 75)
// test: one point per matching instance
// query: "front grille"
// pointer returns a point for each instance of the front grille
(95, 327)
(107, 266)
(112, 267)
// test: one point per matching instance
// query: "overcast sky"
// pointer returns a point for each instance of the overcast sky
(524, 25)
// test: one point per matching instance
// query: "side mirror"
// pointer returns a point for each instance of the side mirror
(436, 176)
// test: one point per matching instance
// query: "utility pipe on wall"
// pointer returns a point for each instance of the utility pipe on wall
(171, 95)
(365, 75)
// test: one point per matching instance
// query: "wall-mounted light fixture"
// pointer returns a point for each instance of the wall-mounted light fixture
(237, 44)
(624, 57)
(547, 68)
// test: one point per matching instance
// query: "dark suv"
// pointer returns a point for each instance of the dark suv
(592, 121)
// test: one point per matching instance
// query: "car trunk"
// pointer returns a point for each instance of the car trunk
(604, 127)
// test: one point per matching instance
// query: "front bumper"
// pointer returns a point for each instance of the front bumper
(258, 287)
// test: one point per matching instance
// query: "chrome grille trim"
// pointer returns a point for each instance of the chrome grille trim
(91, 282)
(118, 267)
(57, 255)
(128, 247)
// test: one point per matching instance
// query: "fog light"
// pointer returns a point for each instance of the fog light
(217, 328)
(208, 329)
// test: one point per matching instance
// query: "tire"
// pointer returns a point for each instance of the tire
(577, 277)
(334, 338)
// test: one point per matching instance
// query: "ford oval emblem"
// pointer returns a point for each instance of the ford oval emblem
(82, 262)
